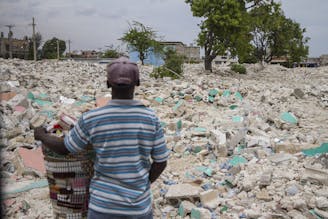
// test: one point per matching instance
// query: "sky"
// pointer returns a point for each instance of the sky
(98, 24)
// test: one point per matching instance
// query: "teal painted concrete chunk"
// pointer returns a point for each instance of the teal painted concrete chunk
(200, 129)
(179, 125)
(195, 214)
(163, 124)
(210, 99)
(213, 92)
(43, 102)
(87, 98)
(316, 151)
(33, 185)
(159, 100)
(237, 160)
(181, 211)
(237, 118)
(232, 107)
(30, 96)
(226, 93)
(178, 104)
(238, 96)
(198, 98)
(288, 117)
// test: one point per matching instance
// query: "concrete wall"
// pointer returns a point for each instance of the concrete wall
(323, 60)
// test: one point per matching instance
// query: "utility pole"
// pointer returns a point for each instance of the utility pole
(69, 47)
(33, 38)
(57, 49)
(10, 34)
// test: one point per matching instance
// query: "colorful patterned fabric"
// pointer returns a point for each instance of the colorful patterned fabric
(124, 135)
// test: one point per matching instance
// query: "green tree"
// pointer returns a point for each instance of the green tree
(275, 35)
(141, 39)
(253, 30)
(49, 49)
(112, 52)
(224, 28)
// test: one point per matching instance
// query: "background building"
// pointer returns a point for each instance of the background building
(19, 47)
(190, 53)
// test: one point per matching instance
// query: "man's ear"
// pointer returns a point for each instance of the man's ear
(108, 84)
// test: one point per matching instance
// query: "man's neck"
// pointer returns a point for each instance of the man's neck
(123, 94)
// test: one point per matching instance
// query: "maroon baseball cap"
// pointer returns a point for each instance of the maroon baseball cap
(123, 72)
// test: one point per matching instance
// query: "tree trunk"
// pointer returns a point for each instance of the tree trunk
(142, 58)
(208, 63)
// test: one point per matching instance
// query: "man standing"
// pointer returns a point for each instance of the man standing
(124, 135)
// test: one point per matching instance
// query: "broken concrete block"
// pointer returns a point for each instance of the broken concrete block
(322, 203)
(265, 178)
(251, 213)
(292, 148)
(180, 148)
(280, 157)
(38, 121)
(315, 175)
(323, 214)
(298, 93)
(219, 140)
(5, 96)
(263, 195)
(11, 133)
(179, 108)
(209, 199)
(179, 191)
(296, 214)
(292, 190)
(199, 132)
(258, 141)
(29, 161)
(235, 139)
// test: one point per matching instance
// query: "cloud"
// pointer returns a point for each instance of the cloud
(86, 12)
(105, 21)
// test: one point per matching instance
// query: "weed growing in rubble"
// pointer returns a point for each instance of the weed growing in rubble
(238, 68)
(172, 67)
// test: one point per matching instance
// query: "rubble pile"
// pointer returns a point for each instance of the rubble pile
(243, 146)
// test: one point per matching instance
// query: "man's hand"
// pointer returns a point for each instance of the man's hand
(54, 143)
(40, 133)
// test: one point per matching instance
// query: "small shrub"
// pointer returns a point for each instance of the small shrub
(238, 68)
(162, 72)
(173, 63)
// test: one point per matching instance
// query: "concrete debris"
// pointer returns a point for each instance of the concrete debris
(210, 199)
(181, 191)
(239, 144)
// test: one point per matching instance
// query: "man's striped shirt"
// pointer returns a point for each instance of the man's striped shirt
(124, 135)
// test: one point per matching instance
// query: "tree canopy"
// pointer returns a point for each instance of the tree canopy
(275, 35)
(141, 39)
(49, 49)
(253, 30)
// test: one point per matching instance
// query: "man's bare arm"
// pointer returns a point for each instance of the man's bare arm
(155, 170)
(54, 143)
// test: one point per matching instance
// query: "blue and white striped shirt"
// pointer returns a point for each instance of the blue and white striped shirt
(124, 135)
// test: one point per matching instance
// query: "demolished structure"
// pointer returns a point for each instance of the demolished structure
(243, 146)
